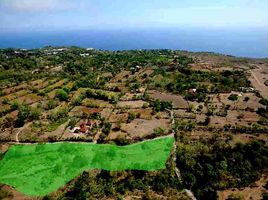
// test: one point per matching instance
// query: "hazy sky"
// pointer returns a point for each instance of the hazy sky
(108, 14)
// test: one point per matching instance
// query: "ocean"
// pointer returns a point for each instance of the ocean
(237, 42)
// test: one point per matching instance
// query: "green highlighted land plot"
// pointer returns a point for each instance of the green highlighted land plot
(39, 169)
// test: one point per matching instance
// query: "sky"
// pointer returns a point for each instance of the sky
(123, 14)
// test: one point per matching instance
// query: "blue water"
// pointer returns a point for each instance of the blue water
(237, 42)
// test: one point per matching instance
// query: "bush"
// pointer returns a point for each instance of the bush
(35, 114)
(62, 95)
(51, 104)
(61, 113)
(34, 90)
(5, 101)
(160, 105)
(77, 101)
(23, 115)
(132, 116)
(106, 128)
(233, 97)
(265, 196)
(14, 106)
(246, 99)
(73, 121)
(184, 126)
(264, 102)
(66, 89)
(159, 131)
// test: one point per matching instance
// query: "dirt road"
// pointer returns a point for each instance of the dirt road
(258, 76)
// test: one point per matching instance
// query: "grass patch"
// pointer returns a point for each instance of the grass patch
(40, 169)
(54, 125)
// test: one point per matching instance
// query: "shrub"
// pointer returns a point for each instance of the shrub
(233, 97)
(264, 102)
(51, 104)
(263, 112)
(61, 113)
(2, 93)
(106, 128)
(159, 131)
(77, 101)
(246, 99)
(14, 106)
(34, 90)
(35, 114)
(184, 126)
(23, 114)
(62, 95)
(132, 116)
(160, 105)
(66, 89)
(5, 101)
(73, 121)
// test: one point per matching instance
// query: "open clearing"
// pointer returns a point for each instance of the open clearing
(39, 169)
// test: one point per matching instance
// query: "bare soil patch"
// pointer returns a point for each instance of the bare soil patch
(116, 134)
(254, 192)
(177, 100)
(96, 103)
(29, 99)
(184, 114)
(144, 113)
(139, 128)
(122, 117)
(131, 104)
(81, 110)
(121, 76)
(234, 117)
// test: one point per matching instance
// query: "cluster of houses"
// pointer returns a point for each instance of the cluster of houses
(84, 127)
(54, 51)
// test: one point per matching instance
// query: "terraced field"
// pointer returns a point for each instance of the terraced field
(37, 170)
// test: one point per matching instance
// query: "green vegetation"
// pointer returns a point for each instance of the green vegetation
(24, 112)
(160, 105)
(184, 125)
(233, 97)
(4, 194)
(80, 87)
(102, 95)
(215, 165)
(264, 102)
(62, 95)
(35, 114)
(37, 170)
(106, 185)
(263, 112)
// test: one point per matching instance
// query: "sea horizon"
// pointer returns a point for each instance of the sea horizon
(234, 42)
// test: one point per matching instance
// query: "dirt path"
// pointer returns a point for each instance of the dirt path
(189, 193)
(257, 81)
(256, 78)
(177, 171)
(17, 136)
